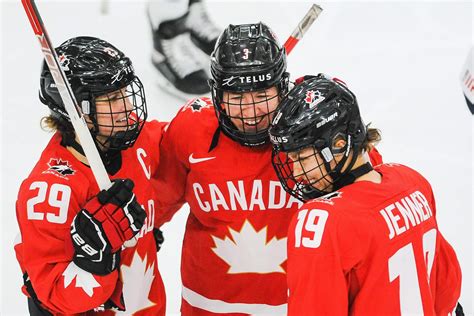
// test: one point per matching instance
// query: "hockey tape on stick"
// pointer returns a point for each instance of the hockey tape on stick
(302, 27)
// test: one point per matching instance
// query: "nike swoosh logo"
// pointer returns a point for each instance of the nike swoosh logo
(197, 160)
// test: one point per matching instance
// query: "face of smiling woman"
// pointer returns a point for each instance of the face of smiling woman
(253, 111)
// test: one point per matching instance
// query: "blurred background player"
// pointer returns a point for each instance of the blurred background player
(366, 241)
(183, 39)
(216, 156)
(72, 234)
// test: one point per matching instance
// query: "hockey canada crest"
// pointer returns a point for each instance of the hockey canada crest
(59, 167)
(313, 98)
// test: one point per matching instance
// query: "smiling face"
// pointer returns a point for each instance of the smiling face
(114, 112)
(251, 112)
(118, 117)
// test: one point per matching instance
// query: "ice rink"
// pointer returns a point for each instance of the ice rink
(402, 59)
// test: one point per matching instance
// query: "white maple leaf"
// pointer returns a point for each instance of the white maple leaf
(249, 251)
(84, 279)
(137, 281)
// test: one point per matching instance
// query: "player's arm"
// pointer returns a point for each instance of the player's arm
(446, 278)
(318, 274)
(171, 177)
(70, 251)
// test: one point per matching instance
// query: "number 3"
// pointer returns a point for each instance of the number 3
(317, 228)
(59, 196)
(246, 53)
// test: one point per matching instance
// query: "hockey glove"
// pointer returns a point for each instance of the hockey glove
(108, 220)
(159, 238)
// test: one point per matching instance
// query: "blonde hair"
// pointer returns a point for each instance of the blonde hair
(52, 124)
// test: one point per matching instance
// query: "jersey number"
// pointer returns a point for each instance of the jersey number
(314, 222)
(58, 196)
(402, 265)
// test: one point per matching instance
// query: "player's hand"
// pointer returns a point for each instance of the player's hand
(459, 310)
(93, 252)
(118, 211)
(159, 238)
(108, 220)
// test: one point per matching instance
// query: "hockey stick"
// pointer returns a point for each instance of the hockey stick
(302, 27)
(68, 98)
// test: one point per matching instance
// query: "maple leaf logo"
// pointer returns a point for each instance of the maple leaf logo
(84, 279)
(249, 252)
(309, 96)
(197, 104)
(313, 98)
(137, 281)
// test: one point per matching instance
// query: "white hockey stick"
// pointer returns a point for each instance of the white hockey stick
(68, 98)
(302, 27)
(70, 102)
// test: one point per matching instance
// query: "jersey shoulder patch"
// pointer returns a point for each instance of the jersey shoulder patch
(197, 104)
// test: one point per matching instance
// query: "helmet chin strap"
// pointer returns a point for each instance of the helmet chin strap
(350, 175)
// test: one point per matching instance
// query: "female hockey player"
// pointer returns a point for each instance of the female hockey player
(71, 250)
(366, 241)
(216, 156)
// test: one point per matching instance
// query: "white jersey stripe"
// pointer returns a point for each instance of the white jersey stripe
(218, 306)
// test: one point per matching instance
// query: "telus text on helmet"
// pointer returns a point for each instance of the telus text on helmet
(246, 79)
(279, 139)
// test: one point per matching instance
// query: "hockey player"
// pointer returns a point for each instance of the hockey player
(216, 156)
(183, 39)
(72, 235)
(366, 241)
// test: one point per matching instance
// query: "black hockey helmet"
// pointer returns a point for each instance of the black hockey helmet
(96, 68)
(315, 114)
(246, 58)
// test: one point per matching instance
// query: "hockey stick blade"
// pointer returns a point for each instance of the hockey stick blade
(68, 98)
(302, 27)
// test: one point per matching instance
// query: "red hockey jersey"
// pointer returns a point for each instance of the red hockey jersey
(372, 249)
(234, 248)
(57, 188)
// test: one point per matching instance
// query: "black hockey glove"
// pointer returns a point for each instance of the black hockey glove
(459, 311)
(99, 230)
(159, 238)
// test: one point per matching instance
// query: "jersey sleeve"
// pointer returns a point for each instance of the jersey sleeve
(155, 130)
(321, 253)
(45, 207)
(446, 279)
(172, 172)
(447, 276)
